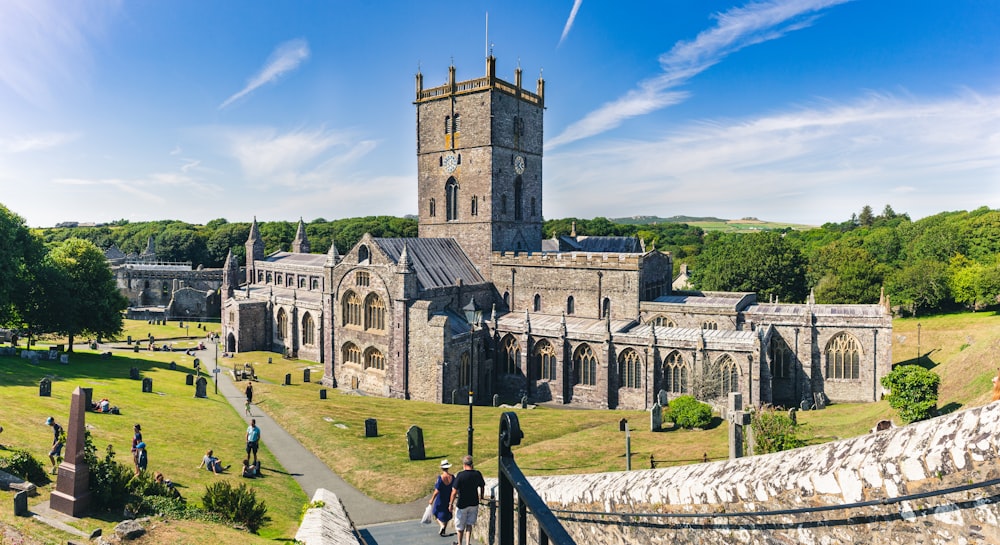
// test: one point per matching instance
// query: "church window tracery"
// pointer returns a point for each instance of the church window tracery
(843, 358)
(545, 361)
(465, 371)
(282, 326)
(451, 199)
(308, 330)
(352, 354)
(729, 375)
(630, 369)
(374, 359)
(675, 374)
(663, 321)
(710, 325)
(362, 278)
(781, 358)
(585, 365)
(351, 307)
(512, 352)
(374, 312)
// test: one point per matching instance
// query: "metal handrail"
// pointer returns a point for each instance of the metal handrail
(550, 530)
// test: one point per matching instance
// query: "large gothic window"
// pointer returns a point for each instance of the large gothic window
(675, 374)
(351, 353)
(512, 353)
(351, 307)
(518, 189)
(465, 372)
(629, 369)
(374, 359)
(282, 328)
(585, 365)
(451, 199)
(843, 358)
(781, 358)
(729, 375)
(308, 330)
(544, 361)
(374, 312)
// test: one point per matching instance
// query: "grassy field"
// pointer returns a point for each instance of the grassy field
(964, 349)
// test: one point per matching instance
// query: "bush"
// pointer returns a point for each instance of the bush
(109, 480)
(773, 431)
(913, 392)
(687, 412)
(238, 505)
(25, 466)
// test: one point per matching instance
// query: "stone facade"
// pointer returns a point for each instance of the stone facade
(589, 321)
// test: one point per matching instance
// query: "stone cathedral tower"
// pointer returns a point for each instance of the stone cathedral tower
(479, 164)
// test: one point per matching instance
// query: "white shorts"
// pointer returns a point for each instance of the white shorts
(466, 517)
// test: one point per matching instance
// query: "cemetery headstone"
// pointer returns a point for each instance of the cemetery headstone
(64, 359)
(820, 403)
(322, 393)
(371, 427)
(524, 402)
(622, 424)
(738, 419)
(33, 358)
(129, 340)
(793, 415)
(189, 379)
(72, 494)
(147, 385)
(173, 366)
(45, 387)
(200, 387)
(305, 375)
(133, 373)
(415, 443)
(805, 405)
(496, 400)
(21, 504)
(661, 398)
(269, 359)
(135, 348)
(288, 379)
(655, 417)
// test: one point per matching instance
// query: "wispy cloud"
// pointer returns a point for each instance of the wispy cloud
(287, 57)
(569, 21)
(299, 158)
(154, 188)
(35, 142)
(734, 30)
(921, 156)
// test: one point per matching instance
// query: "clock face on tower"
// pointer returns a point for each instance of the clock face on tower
(519, 164)
(450, 163)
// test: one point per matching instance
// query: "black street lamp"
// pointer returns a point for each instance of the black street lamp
(474, 316)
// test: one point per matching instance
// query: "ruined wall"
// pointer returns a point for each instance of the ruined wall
(952, 450)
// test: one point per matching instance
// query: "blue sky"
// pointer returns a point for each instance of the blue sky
(801, 111)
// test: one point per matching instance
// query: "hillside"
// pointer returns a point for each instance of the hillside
(712, 223)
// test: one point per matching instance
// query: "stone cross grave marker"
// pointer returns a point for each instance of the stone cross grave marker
(415, 443)
(524, 402)
(200, 387)
(655, 417)
(737, 420)
(45, 387)
(72, 495)
(147, 385)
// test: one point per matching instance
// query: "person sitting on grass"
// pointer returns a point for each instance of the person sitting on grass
(212, 463)
(251, 470)
(160, 479)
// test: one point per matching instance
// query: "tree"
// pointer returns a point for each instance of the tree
(845, 275)
(18, 248)
(913, 392)
(920, 286)
(973, 284)
(866, 218)
(687, 412)
(93, 304)
(773, 431)
(764, 262)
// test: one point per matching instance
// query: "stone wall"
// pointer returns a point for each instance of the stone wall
(958, 449)
(327, 524)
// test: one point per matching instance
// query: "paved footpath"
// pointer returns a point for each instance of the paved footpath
(379, 523)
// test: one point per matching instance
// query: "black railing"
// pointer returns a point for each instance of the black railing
(549, 528)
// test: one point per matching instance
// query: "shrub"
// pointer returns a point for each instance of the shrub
(913, 392)
(238, 505)
(687, 412)
(109, 480)
(773, 431)
(25, 466)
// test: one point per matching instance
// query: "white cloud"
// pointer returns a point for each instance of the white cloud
(287, 57)
(811, 165)
(735, 29)
(301, 158)
(569, 21)
(35, 142)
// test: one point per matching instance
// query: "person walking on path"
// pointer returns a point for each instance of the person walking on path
(136, 439)
(58, 439)
(253, 440)
(467, 489)
(441, 497)
(249, 392)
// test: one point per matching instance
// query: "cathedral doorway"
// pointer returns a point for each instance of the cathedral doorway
(230, 343)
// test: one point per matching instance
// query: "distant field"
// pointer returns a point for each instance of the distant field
(746, 225)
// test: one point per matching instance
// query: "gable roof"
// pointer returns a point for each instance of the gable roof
(438, 262)
(593, 244)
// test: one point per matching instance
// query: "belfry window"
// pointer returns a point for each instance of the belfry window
(447, 124)
(474, 208)
(451, 199)
(456, 123)
(432, 209)
(518, 187)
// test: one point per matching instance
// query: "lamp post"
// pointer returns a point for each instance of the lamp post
(918, 343)
(187, 325)
(474, 316)
(216, 371)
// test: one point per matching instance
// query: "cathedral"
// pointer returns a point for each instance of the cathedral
(480, 303)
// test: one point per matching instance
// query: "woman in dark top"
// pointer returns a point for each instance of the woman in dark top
(442, 495)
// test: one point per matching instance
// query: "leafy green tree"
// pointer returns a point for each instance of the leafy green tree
(973, 284)
(687, 412)
(179, 243)
(913, 392)
(225, 238)
(93, 304)
(921, 286)
(18, 248)
(848, 275)
(762, 262)
(866, 218)
(773, 431)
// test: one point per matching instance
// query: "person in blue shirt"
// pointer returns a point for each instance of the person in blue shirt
(253, 439)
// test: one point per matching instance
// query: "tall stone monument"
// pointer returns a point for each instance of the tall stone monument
(71, 495)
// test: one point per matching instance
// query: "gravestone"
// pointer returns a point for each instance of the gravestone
(524, 402)
(173, 366)
(45, 387)
(415, 443)
(129, 340)
(805, 405)
(496, 400)
(305, 375)
(655, 417)
(738, 419)
(33, 358)
(197, 363)
(133, 373)
(793, 415)
(135, 348)
(661, 398)
(189, 379)
(371, 427)
(72, 494)
(147, 385)
(322, 393)
(622, 424)
(21, 504)
(64, 359)
(269, 359)
(200, 387)
(288, 379)
(820, 403)
(454, 397)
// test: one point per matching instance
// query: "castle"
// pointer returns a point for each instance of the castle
(479, 302)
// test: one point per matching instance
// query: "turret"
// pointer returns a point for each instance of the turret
(230, 275)
(255, 250)
(301, 243)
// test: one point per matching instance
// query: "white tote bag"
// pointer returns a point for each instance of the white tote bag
(428, 515)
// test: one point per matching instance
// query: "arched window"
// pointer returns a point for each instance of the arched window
(268, 278)
(433, 209)
(279, 279)
(351, 307)
(545, 361)
(465, 372)
(781, 358)
(512, 353)
(447, 124)
(570, 305)
(282, 325)
(260, 277)
(374, 359)
(710, 325)
(729, 375)
(308, 330)
(362, 278)
(506, 299)
(518, 189)
(629, 369)
(843, 358)
(474, 207)
(302, 282)
(606, 308)
(457, 123)
(364, 254)
(289, 281)
(374, 312)
(314, 284)
(536, 304)
(451, 199)
(351, 353)
(675, 374)
(663, 321)
(503, 205)
(585, 365)
(534, 208)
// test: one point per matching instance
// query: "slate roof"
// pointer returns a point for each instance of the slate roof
(693, 334)
(438, 262)
(550, 322)
(790, 309)
(289, 258)
(596, 245)
(702, 300)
